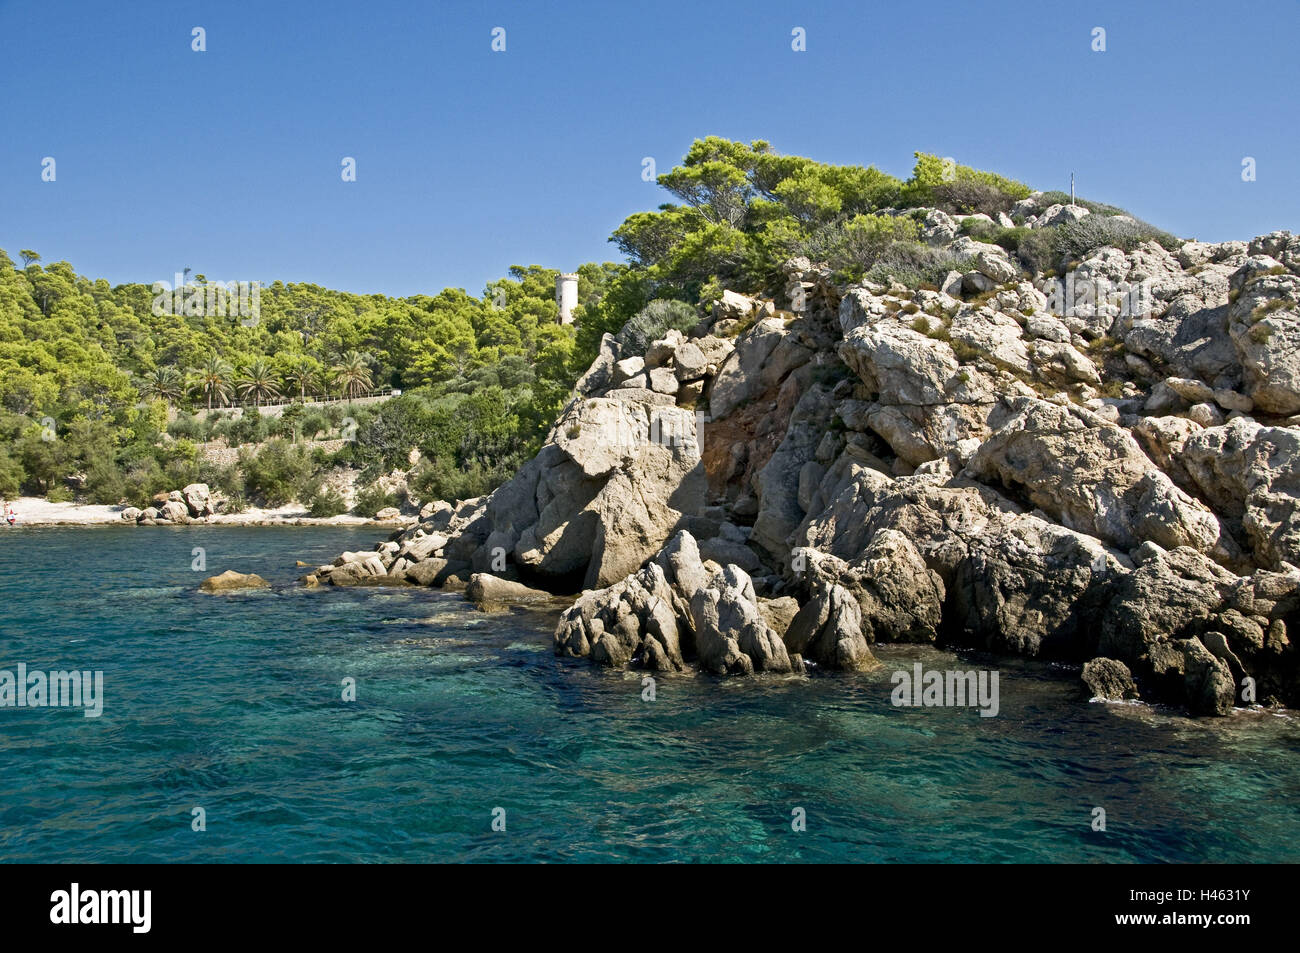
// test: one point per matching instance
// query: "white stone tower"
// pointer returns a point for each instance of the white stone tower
(566, 296)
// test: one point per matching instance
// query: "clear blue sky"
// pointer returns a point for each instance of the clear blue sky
(469, 161)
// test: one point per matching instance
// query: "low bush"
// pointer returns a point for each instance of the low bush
(373, 498)
(653, 322)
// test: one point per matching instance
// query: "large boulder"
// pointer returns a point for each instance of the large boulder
(198, 499)
(740, 376)
(670, 610)
(487, 589)
(175, 511)
(1109, 679)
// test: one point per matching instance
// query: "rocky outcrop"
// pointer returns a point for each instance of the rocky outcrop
(1101, 467)
(673, 610)
(828, 631)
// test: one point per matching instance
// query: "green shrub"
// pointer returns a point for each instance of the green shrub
(187, 426)
(853, 246)
(326, 501)
(654, 321)
(105, 482)
(437, 480)
(11, 475)
(276, 474)
(1076, 240)
(373, 498)
(915, 265)
(1037, 249)
(932, 176)
(1056, 197)
(969, 196)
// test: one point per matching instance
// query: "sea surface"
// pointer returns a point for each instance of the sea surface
(233, 704)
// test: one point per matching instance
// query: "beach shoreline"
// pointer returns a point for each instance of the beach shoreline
(34, 511)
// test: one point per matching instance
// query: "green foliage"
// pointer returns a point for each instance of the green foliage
(653, 322)
(81, 351)
(1075, 240)
(915, 265)
(277, 473)
(373, 498)
(938, 182)
(854, 246)
(325, 501)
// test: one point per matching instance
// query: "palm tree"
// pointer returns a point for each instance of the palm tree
(165, 383)
(302, 375)
(258, 382)
(352, 373)
(215, 380)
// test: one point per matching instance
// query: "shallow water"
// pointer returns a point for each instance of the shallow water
(233, 704)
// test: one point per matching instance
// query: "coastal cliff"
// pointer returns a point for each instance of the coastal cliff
(1100, 467)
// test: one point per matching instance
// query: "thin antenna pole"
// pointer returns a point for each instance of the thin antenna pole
(1071, 188)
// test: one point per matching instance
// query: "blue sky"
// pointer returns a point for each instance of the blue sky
(469, 161)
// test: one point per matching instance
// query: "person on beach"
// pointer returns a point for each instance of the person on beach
(10, 516)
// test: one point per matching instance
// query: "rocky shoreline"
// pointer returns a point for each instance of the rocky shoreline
(992, 465)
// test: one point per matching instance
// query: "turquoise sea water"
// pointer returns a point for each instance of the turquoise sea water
(233, 703)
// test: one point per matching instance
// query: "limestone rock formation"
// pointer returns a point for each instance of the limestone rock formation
(1100, 467)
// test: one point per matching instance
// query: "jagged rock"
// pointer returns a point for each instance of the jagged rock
(433, 571)
(1091, 476)
(1192, 391)
(735, 306)
(738, 378)
(1208, 681)
(229, 581)
(660, 352)
(778, 482)
(1264, 322)
(689, 361)
(828, 630)
(598, 377)
(724, 551)
(1251, 474)
(663, 380)
(1207, 415)
(731, 636)
(627, 369)
(131, 514)
(1110, 679)
(359, 572)
(932, 492)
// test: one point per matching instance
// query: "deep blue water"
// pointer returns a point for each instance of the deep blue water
(233, 703)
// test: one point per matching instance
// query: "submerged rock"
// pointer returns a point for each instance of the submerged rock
(229, 581)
